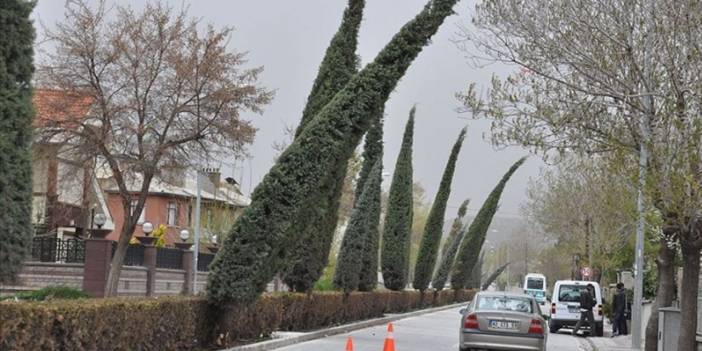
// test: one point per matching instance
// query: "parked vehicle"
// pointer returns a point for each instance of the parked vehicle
(565, 306)
(502, 321)
(536, 286)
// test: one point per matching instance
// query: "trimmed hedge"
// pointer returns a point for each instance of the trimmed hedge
(183, 323)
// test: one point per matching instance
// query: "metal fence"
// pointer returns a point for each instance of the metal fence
(134, 257)
(169, 258)
(46, 249)
(203, 261)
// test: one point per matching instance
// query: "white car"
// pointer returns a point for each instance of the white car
(565, 306)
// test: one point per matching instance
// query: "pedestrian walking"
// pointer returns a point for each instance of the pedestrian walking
(587, 302)
(619, 310)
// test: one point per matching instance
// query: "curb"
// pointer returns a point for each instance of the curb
(342, 329)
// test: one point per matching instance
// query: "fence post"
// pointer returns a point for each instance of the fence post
(189, 271)
(98, 254)
(150, 264)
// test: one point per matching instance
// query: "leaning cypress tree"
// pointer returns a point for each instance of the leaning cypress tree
(354, 244)
(397, 230)
(476, 274)
(317, 221)
(16, 69)
(258, 245)
(471, 247)
(493, 276)
(372, 154)
(450, 248)
(429, 246)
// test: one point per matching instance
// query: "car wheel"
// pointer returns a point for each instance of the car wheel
(599, 329)
(553, 327)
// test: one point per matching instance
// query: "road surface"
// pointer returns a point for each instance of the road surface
(430, 332)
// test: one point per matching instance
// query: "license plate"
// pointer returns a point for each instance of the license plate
(573, 309)
(507, 325)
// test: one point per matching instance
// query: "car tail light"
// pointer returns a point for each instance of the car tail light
(553, 308)
(471, 322)
(599, 310)
(536, 327)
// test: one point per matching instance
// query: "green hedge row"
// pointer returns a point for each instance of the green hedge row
(182, 323)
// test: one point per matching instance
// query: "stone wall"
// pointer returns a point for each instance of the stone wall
(132, 281)
(37, 275)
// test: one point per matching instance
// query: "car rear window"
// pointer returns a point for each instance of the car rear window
(571, 293)
(534, 283)
(504, 303)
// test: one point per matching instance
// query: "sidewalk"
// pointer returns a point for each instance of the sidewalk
(619, 343)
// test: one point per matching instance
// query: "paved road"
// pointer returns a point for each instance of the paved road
(431, 332)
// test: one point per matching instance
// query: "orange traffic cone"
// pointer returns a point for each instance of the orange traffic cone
(349, 344)
(389, 339)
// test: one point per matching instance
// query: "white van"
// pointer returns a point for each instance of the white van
(565, 305)
(535, 285)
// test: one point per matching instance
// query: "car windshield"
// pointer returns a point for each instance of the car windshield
(535, 283)
(570, 293)
(504, 303)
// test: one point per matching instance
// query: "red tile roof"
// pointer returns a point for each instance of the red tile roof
(59, 108)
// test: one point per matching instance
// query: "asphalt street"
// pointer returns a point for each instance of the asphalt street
(430, 332)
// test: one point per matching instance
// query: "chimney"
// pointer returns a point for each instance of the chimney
(214, 175)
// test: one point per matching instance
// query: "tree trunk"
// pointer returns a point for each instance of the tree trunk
(688, 296)
(665, 293)
(122, 244)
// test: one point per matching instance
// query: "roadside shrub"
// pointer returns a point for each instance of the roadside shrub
(185, 323)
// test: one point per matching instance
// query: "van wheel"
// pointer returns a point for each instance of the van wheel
(599, 329)
(553, 327)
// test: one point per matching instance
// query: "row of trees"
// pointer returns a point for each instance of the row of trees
(357, 262)
(613, 77)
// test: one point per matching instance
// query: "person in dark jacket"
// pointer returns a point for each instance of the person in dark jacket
(587, 302)
(618, 309)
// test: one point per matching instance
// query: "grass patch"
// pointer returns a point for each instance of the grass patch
(49, 293)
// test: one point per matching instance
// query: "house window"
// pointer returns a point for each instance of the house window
(172, 213)
(143, 211)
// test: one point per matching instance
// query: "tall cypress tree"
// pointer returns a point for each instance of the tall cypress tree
(317, 221)
(471, 247)
(397, 230)
(258, 245)
(372, 154)
(16, 114)
(354, 244)
(429, 246)
(450, 248)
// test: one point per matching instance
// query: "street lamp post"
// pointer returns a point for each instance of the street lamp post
(196, 240)
(99, 220)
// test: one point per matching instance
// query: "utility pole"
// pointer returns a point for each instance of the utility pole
(644, 125)
(198, 201)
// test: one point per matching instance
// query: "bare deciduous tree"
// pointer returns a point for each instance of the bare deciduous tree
(162, 89)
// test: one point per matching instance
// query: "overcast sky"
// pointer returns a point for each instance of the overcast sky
(289, 38)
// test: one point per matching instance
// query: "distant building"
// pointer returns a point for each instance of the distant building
(171, 202)
(66, 194)
(68, 191)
